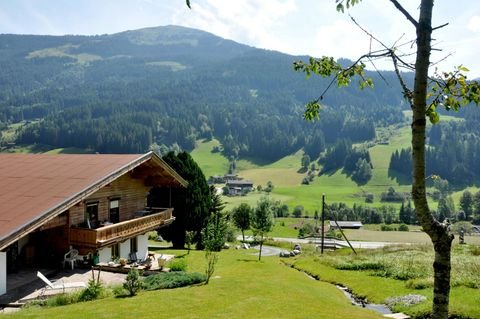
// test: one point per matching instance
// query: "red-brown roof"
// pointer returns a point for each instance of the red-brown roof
(34, 185)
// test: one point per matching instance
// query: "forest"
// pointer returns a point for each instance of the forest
(453, 152)
(165, 88)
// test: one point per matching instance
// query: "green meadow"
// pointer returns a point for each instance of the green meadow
(241, 287)
(286, 176)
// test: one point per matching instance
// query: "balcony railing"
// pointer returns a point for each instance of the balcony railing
(103, 236)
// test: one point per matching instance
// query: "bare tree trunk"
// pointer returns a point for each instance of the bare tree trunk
(261, 245)
(438, 232)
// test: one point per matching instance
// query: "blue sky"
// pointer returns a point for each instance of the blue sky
(310, 27)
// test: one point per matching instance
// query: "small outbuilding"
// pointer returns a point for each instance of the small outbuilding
(346, 225)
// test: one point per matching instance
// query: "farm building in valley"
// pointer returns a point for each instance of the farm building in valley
(346, 225)
(238, 187)
(96, 204)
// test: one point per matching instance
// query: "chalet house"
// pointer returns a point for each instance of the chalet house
(94, 203)
(218, 179)
(238, 187)
(230, 177)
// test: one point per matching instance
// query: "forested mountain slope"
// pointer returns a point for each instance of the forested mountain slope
(123, 92)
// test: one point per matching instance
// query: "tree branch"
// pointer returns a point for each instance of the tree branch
(440, 26)
(406, 91)
(404, 12)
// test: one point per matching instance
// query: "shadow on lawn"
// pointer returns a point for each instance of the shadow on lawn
(247, 260)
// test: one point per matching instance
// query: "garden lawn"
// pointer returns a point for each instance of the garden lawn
(242, 287)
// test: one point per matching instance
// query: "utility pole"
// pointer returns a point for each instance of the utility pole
(323, 221)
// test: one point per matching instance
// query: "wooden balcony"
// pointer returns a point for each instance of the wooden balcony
(92, 239)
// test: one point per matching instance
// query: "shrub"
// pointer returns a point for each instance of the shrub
(392, 196)
(133, 282)
(94, 289)
(386, 228)
(152, 235)
(177, 264)
(231, 234)
(173, 280)
(369, 198)
(403, 227)
(333, 234)
(298, 211)
(306, 230)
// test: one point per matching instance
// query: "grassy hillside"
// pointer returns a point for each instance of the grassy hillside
(210, 163)
(286, 177)
(338, 187)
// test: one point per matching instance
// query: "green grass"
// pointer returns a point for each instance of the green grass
(70, 150)
(283, 172)
(35, 148)
(210, 163)
(251, 199)
(376, 269)
(63, 51)
(174, 66)
(241, 287)
(285, 176)
(286, 227)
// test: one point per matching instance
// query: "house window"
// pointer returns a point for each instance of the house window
(133, 245)
(115, 251)
(114, 211)
(91, 215)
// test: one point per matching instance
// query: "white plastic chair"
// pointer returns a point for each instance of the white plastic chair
(70, 257)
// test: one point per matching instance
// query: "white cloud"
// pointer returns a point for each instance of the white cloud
(246, 21)
(474, 24)
(340, 39)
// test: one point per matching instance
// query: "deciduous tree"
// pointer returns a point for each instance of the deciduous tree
(241, 216)
(450, 90)
(466, 203)
(262, 221)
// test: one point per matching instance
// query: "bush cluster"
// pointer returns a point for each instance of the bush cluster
(173, 280)
(177, 264)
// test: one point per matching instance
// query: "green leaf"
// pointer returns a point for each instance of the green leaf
(312, 110)
(432, 114)
(434, 118)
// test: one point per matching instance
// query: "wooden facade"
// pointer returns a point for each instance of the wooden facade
(130, 192)
(134, 217)
(88, 240)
